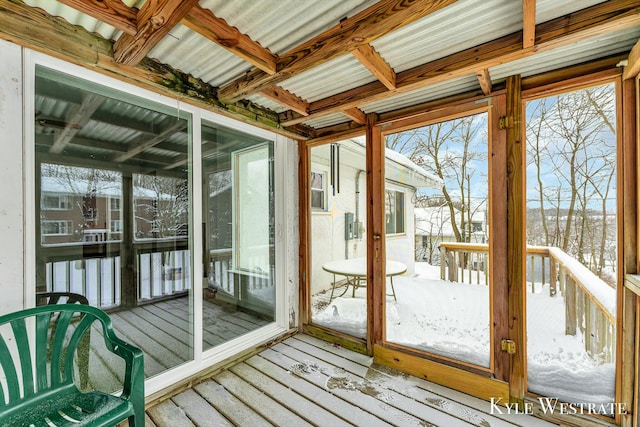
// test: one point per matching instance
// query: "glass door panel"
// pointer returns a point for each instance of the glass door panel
(437, 239)
(113, 198)
(338, 240)
(238, 203)
(572, 266)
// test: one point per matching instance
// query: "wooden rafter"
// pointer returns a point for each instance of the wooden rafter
(568, 29)
(112, 12)
(528, 23)
(140, 146)
(155, 20)
(35, 29)
(355, 114)
(286, 98)
(77, 116)
(362, 28)
(370, 58)
(633, 63)
(205, 23)
(484, 78)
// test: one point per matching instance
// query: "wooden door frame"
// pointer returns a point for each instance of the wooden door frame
(484, 383)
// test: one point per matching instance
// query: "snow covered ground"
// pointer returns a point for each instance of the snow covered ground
(452, 319)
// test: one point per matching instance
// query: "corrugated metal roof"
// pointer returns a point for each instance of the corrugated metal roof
(460, 26)
(583, 51)
(276, 25)
(280, 25)
(429, 93)
(76, 18)
(546, 10)
(338, 75)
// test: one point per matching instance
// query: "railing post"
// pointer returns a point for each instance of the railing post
(443, 262)
(570, 306)
(553, 280)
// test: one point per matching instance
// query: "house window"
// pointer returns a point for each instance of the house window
(318, 192)
(476, 226)
(56, 228)
(115, 204)
(394, 212)
(116, 226)
(55, 202)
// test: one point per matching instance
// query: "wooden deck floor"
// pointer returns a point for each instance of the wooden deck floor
(304, 381)
(162, 331)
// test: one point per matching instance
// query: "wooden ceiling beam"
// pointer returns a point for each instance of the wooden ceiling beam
(112, 12)
(205, 23)
(574, 27)
(346, 36)
(76, 118)
(286, 98)
(370, 58)
(633, 62)
(143, 144)
(155, 20)
(484, 78)
(528, 23)
(355, 114)
(35, 29)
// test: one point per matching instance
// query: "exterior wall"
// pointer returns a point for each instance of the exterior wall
(401, 247)
(11, 174)
(327, 227)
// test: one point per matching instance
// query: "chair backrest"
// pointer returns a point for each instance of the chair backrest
(37, 348)
(44, 298)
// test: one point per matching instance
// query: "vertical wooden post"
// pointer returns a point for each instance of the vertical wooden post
(304, 251)
(443, 262)
(570, 306)
(128, 262)
(498, 257)
(516, 238)
(627, 176)
(376, 317)
(553, 280)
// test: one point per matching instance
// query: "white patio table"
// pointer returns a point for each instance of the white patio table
(355, 271)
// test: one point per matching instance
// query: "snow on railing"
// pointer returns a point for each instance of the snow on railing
(590, 303)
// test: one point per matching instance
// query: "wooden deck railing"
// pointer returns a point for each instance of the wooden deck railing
(590, 303)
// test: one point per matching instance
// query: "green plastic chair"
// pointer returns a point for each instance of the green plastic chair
(37, 348)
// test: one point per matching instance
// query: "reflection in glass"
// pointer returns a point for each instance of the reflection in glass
(436, 224)
(239, 293)
(113, 200)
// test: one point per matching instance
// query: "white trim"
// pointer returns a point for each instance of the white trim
(30, 218)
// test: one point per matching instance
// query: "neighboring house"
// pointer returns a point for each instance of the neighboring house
(338, 220)
(81, 210)
(433, 226)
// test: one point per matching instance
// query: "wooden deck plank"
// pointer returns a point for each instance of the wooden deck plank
(445, 394)
(333, 404)
(259, 401)
(330, 354)
(178, 344)
(199, 410)
(315, 404)
(168, 414)
(369, 380)
(229, 406)
(152, 349)
(346, 386)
